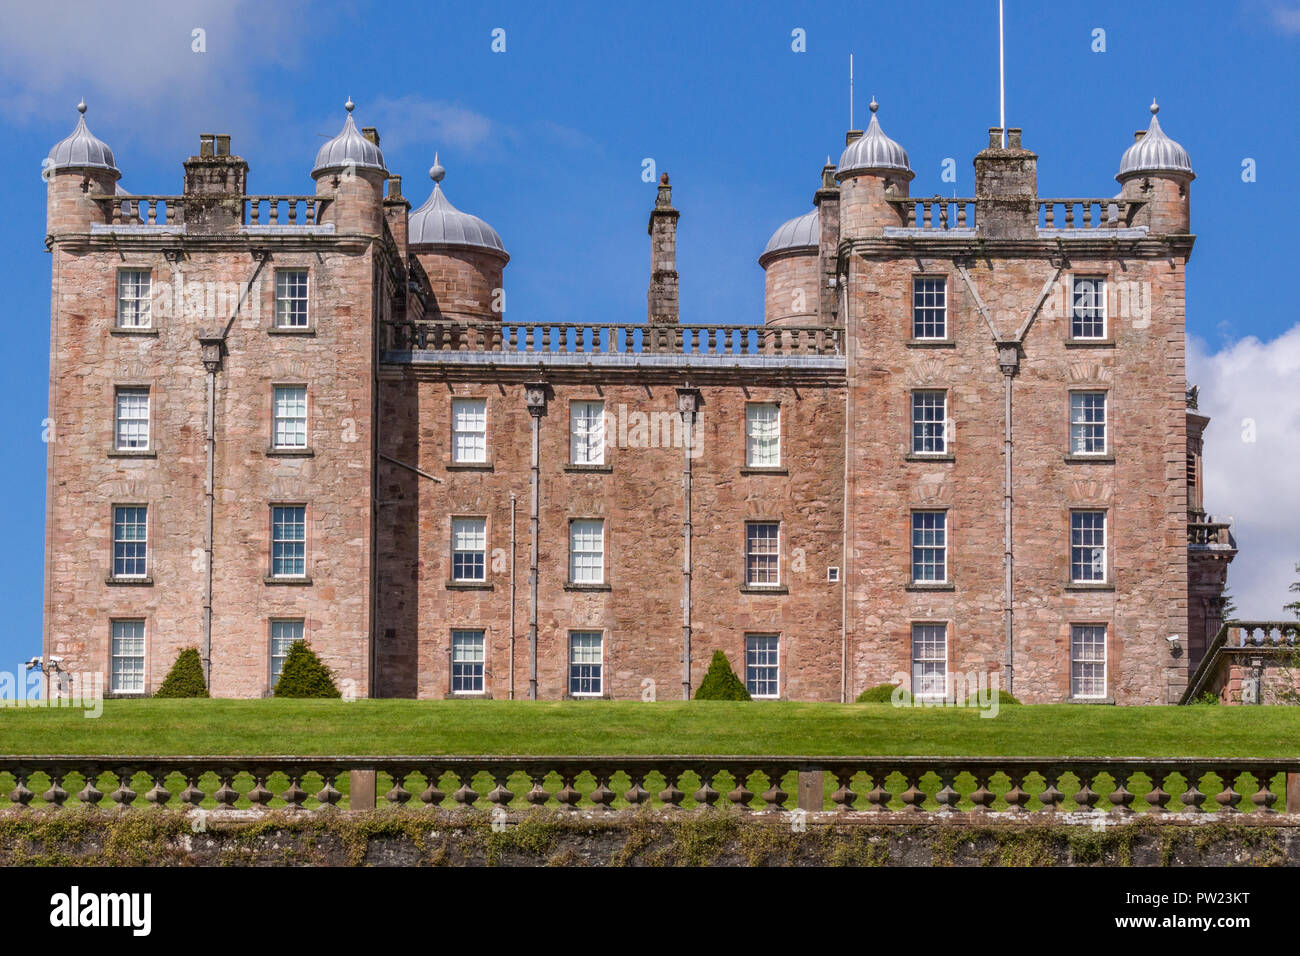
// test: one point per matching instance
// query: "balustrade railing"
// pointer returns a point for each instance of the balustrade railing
(915, 786)
(1086, 213)
(582, 338)
(1209, 533)
(142, 210)
(270, 210)
(936, 212)
(1263, 633)
(283, 210)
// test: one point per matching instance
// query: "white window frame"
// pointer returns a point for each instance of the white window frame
(770, 672)
(920, 426)
(929, 306)
(466, 532)
(286, 296)
(134, 298)
(762, 450)
(1083, 546)
(1097, 299)
(593, 677)
(121, 421)
(128, 543)
(282, 643)
(587, 432)
(924, 660)
(751, 553)
(288, 425)
(580, 539)
(287, 543)
(136, 674)
(1077, 661)
(472, 661)
(1079, 425)
(938, 542)
(469, 431)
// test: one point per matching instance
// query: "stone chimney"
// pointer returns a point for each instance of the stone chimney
(827, 201)
(215, 184)
(397, 209)
(661, 300)
(1006, 188)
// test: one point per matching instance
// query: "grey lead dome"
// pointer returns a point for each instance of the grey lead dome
(81, 150)
(349, 149)
(801, 232)
(439, 223)
(874, 150)
(1154, 152)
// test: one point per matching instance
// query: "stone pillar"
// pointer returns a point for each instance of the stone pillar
(661, 299)
(215, 184)
(1006, 188)
(812, 790)
(362, 789)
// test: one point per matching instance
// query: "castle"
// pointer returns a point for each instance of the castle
(959, 443)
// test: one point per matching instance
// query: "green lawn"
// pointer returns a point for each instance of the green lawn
(393, 727)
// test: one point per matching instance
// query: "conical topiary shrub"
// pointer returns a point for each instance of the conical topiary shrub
(185, 679)
(721, 682)
(304, 675)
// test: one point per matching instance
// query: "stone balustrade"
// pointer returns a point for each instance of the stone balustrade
(142, 210)
(311, 206)
(920, 786)
(583, 338)
(1209, 533)
(1263, 633)
(936, 212)
(1087, 213)
(279, 210)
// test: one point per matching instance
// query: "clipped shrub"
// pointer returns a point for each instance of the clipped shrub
(305, 675)
(1004, 697)
(880, 694)
(721, 682)
(1207, 699)
(185, 679)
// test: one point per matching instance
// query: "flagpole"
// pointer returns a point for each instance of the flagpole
(851, 90)
(1002, 79)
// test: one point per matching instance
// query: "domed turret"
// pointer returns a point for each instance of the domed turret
(81, 150)
(462, 255)
(873, 169)
(1158, 172)
(791, 267)
(348, 150)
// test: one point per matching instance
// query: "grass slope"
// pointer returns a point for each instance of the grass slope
(391, 727)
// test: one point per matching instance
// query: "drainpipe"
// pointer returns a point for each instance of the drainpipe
(844, 277)
(688, 402)
(535, 397)
(1009, 362)
(512, 595)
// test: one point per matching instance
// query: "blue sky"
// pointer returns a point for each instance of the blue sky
(546, 141)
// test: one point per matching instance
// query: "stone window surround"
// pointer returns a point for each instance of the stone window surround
(449, 461)
(781, 587)
(949, 417)
(1109, 583)
(604, 464)
(781, 651)
(604, 583)
(486, 692)
(270, 626)
(145, 580)
(779, 468)
(289, 451)
(947, 626)
(1106, 697)
(452, 584)
(116, 325)
(109, 692)
(949, 339)
(269, 303)
(268, 577)
(947, 583)
(113, 450)
(568, 664)
(1107, 457)
(1108, 339)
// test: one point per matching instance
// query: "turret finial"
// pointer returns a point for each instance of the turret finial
(436, 172)
(81, 107)
(349, 105)
(873, 105)
(1155, 108)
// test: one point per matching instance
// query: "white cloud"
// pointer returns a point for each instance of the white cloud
(1253, 384)
(1287, 18)
(413, 120)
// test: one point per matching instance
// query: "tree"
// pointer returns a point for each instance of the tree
(185, 679)
(721, 682)
(1294, 606)
(305, 675)
(1229, 605)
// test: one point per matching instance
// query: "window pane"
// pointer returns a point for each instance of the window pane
(469, 430)
(289, 542)
(587, 552)
(469, 549)
(127, 657)
(1088, 423)
(283, 636)
(291, 298)
(1088, 661)
(930, 660)
(134, 289)
(1088, 316)
(132, 413)
(130, 541)
(929, 308)
(929, 415)
(763, 553)
(586, 663)
(929, 546)
(290, 416)
(762, 435)
(762, 673)
(587, 433)
(467, 662)
(1088, 546)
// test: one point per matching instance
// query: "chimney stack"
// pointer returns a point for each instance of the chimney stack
(1006, 188)
(661, 300)
(215, 184)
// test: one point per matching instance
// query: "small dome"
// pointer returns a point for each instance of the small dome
(439, 223)
(874, 150)
(81, 150)
(802, 233)
(349, 149)
(1154, 152)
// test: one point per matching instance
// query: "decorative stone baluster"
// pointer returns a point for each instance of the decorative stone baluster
(1192, 797)
(671, 795)
(911, 214)
(226, 795)
(947, 796)
(1069, 215)
(1017, 796)
(500, 795)
(90, 794)
(466, 796)
(636, 795)
(878, 797)
(539, 796)
(1049, 215)
(1264, 797)
(1087, 215)
(961, 215)
(55, 795)
(943, 215)
(273, 211)
(20, 794)
(706, 795)
(603, 797)
(1051, 798)
(152, 205)
(982, 797)
(254, 208)
(328, 796)
(1158, 797)
(293, 211)
(123, 796)
(740, 795)
(397, 793)
(158, 794)
(311, 212)
(295, 796)
(259, 796)
(568, 794)
(843, 797)
(1086, 799)
(1228, 797)
(774, 797)
(431, 796)
(913, 797)
(1121, 797)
